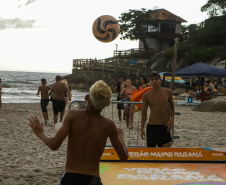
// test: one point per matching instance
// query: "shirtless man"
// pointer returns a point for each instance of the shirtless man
(87, 133)
(209, 90)
(118, 88)
(67, 94)
(159, 124)
(44, 98)
(58, 89)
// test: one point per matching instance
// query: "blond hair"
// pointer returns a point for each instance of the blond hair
(100, 95)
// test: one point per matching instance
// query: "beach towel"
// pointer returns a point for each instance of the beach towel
(137, 96)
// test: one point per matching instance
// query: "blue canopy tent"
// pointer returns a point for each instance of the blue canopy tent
(199, 70)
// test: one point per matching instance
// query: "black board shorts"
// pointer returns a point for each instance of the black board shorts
(44, 103)
(58, 106)
(157, 135)
(79, 179)
(119, 105)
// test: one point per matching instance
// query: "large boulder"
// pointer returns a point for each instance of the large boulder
(211, 106)
(83, 79)
(179, 91)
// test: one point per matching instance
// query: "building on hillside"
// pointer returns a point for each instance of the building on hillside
(161, 35)
(215, 30)
(211, 20)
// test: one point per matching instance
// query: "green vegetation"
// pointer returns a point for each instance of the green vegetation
(134, 25)
(204, 43)
(214, 7)
(198, 43)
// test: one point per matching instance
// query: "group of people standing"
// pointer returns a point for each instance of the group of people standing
(88, 130)
(124, 90)
(160, 101)
(60, 93)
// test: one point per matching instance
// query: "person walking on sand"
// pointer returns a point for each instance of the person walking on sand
(0, 93)
(118, 88)
(87, 133)
(129, 108)
(159, 99)
(44, 98)
(58, 89)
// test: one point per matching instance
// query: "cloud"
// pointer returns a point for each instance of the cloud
(15, 23)
(27, 2)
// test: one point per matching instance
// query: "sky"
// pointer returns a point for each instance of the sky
(46, 35)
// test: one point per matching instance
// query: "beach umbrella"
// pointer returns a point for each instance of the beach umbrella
(168, 78)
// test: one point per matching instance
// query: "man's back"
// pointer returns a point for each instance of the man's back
(87, 133)
(58, 89)
(86, 141)
(44, 91)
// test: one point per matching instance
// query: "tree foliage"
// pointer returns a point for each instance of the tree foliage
(203, 43)
(214, 7)
(184, 32)
(134, 25)
(213, 34)
(200, 43)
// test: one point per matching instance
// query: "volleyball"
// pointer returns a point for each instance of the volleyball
(106, 28)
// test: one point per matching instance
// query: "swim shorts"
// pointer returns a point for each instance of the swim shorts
(119, 105)
(79, 179)
(128, 105)
(58, 106)
(157, 135)
(44, 103)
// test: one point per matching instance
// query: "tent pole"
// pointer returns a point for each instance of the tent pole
(199, 83)
(174, 63)
(202, 84)
(163, 80)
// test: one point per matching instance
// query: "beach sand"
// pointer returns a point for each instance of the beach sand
(25, 160)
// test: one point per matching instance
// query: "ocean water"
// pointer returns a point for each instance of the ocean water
(21, 87)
